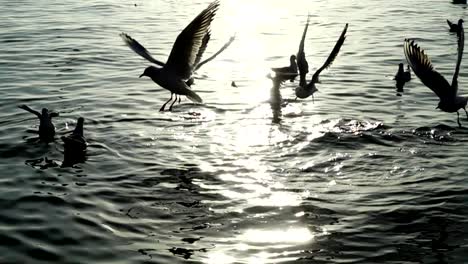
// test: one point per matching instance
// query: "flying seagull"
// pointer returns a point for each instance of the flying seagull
(309, 89)
(449, 100)
(176, 74)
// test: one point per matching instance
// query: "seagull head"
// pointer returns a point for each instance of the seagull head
(292, 59)
(460, 21)
(149, 71)
(400, 67)
(45, 112)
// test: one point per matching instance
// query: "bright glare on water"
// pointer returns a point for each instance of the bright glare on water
(360, 175)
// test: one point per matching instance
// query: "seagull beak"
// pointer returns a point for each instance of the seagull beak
(143, 74)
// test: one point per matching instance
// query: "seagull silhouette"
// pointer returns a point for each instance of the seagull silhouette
(75, 145)
(309, 89)
(46, 127)
(449, 101)
(176, 74)
(288, 72)
(402, 77)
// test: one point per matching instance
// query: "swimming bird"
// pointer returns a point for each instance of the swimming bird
(302, 64)
(402, 77)
(46, 127)
(184, 59)
(459, 2)
(453, 27)
(288, 72)
(449, 100)
(75, 145)
(308, 90)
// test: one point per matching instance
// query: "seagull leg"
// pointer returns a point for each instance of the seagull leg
(458, 120)
(466, 113)
(175, 100)
(313, 100)
(179, 99)
(164, 105)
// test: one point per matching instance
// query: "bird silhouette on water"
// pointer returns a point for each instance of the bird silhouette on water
(176, 74)
(454, 27)
(288, 72)
(46, 127)
(309, 89)
(75, 145)
(449, 100)
(402, 77)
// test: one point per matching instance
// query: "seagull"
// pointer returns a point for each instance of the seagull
(402, 77)
(46, 127)
(449, 101)
(75, 145)
(301, 60)
(308, 90)
(176, 74)
(454, 27)
(288, 72)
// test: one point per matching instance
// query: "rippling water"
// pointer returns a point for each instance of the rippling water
(359, 176)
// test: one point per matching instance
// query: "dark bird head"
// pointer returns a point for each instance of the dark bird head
(400, 67)
(79, 127)
(292, 59)
(45, 112)
(149, 71)
(460, 21)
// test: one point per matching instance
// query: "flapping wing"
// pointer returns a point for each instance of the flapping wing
(422, 67)
(190, 45)
(225, 46)
(139, 49)
(301, 59)
(461, 46)
(332, 55)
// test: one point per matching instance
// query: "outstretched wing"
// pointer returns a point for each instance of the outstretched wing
(225, 46)
(139, 49)
(422, 67)
(301, 59)
(191, 42)
(332, 55)
(461, 46)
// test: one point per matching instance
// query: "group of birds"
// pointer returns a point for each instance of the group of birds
(185, 58)
(74, 144)
(176, 74)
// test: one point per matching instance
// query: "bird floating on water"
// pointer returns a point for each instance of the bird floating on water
(308, 90)
(288, 72)
(453, 27)
(402, 77)
(46, 127)
(459, 2)
(449, 101)
(75, 145)
(176, 74)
